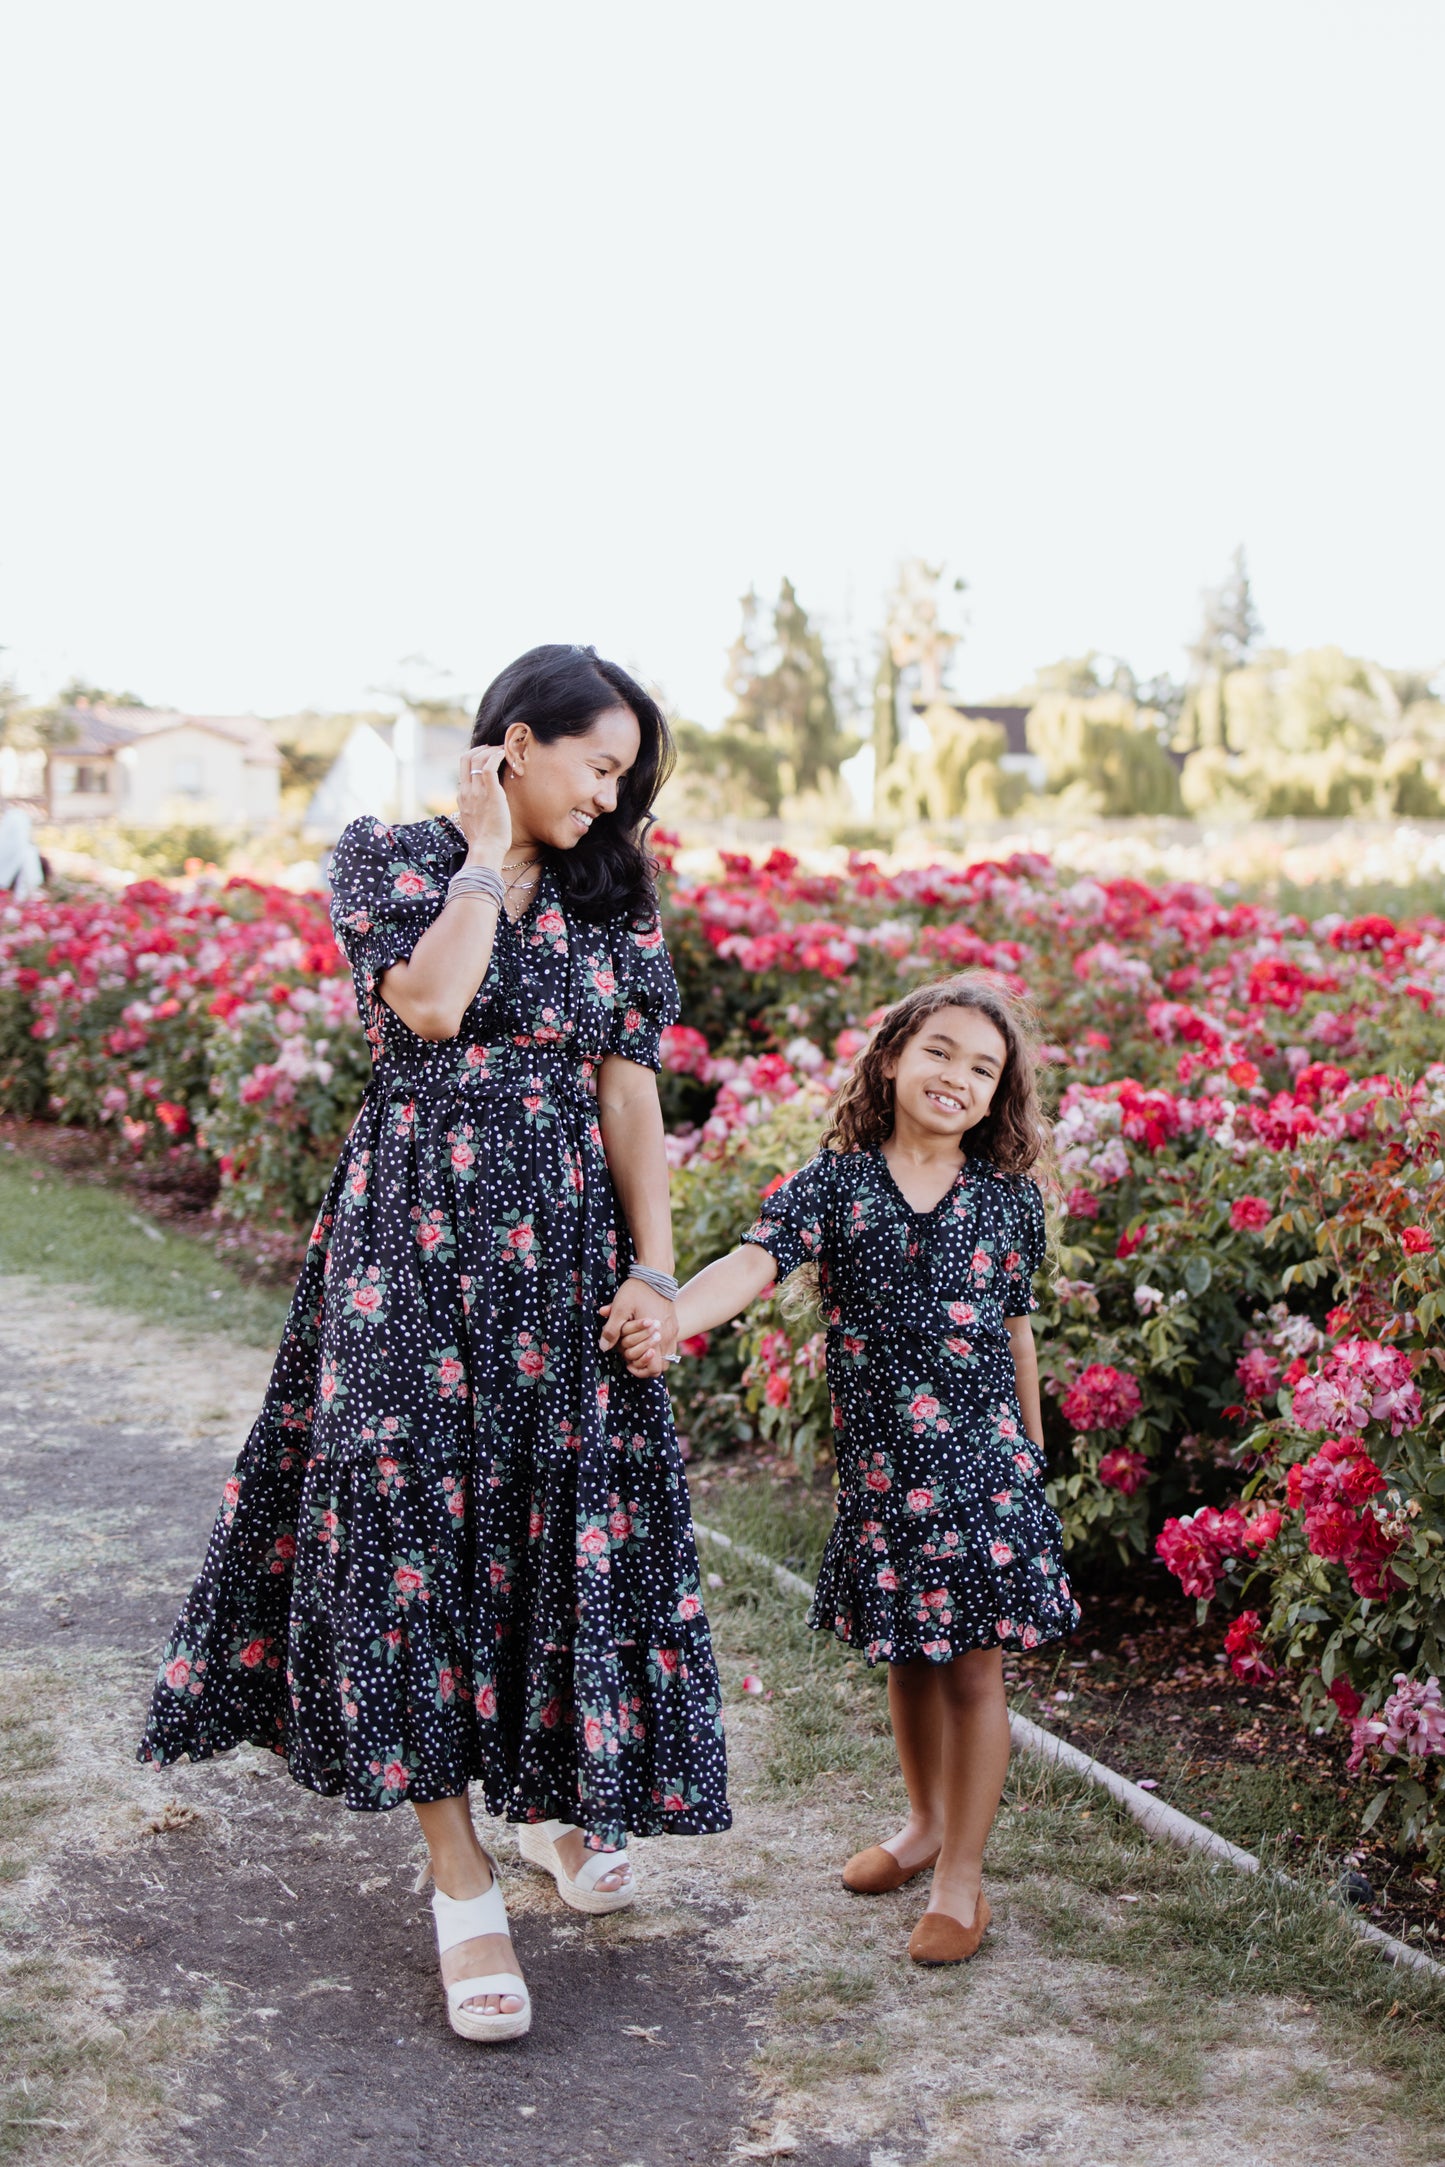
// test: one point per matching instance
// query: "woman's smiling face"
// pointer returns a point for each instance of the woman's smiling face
(945, 1078)
(556, 791)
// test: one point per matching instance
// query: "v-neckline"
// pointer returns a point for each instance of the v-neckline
(912, 1209)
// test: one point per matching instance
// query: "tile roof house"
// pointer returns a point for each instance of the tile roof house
(152, 768)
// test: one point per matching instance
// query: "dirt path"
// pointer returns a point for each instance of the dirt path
(213, 1964)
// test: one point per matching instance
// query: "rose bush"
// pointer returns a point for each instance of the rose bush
(1238, 1333)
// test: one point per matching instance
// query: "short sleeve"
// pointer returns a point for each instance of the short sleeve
(383, 897)
(645, 1000)
(1016, 1296)
(792, 1224)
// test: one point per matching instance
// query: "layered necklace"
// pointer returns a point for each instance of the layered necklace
(527, 874)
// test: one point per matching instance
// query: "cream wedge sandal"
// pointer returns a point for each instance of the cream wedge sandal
(463, 1918)
(537, 1842)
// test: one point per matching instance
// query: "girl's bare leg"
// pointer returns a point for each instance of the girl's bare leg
(974, 1750)
(916, 1708)
(460, 1869)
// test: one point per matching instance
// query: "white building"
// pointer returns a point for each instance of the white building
(158, 770)
(400, 773)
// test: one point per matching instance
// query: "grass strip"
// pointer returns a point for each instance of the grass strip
(78, 1233)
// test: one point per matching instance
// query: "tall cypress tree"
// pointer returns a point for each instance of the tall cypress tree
(782, 687)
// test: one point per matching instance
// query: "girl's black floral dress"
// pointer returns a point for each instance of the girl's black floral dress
(943, 1539)
(457, 1543)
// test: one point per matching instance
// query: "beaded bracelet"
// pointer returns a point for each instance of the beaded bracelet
(481, 880)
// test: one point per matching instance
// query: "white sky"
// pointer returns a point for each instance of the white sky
(342, 333)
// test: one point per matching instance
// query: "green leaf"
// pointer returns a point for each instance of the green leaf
(1198, 1271)
(1373, 1811)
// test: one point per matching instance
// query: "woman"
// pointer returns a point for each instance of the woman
(457, 1543)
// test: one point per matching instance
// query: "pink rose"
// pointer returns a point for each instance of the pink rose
(366, 1300)
(178, 1674)
(592, 1734)
(920, 1501)
(486, 1701)
(252, 1654)
(592, 1542)
(531, 1362)
(406, 1580)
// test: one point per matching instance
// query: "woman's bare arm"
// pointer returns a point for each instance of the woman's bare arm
(434, 988)
(1026, 1369)
(629, 1114)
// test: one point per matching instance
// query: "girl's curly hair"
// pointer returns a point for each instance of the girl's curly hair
(1014, 1134)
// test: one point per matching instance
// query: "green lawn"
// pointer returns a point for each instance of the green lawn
(78, 1233)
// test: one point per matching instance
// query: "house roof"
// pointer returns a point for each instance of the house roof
(97, 732)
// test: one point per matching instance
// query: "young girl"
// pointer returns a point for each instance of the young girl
(944, 1551)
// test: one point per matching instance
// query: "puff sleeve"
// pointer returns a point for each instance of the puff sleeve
(1016, 1296)
(794, 1221)
(645, 998)
(383, 897)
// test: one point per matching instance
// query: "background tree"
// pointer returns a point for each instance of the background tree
(1228, 635)
(922, 631)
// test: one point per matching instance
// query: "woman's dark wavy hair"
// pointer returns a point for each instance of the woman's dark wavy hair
(1013, 1135)
(560, 692)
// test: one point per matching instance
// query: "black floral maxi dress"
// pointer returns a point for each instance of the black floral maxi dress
(943, 1540)
(457, 1542)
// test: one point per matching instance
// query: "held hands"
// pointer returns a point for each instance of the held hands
(483, 814)
(645, 1323)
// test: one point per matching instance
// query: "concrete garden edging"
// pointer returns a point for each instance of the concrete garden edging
(1155, 1816)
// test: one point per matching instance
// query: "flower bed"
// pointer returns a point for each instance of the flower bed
(1239, 1339)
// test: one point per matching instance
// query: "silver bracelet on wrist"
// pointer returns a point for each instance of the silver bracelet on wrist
(481, 880)
(661, 1283)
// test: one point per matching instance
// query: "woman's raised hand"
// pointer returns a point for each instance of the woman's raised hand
(483, 814)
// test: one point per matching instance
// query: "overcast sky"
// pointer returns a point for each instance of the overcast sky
(338, 334)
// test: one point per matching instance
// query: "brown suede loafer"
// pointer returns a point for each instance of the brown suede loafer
(875, 1872)
(938, 1939)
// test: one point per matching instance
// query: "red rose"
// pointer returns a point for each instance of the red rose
(253, 1654)
(1247, 1214)
(1417, 1241)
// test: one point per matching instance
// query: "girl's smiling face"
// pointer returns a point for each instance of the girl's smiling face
(945, 1078)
